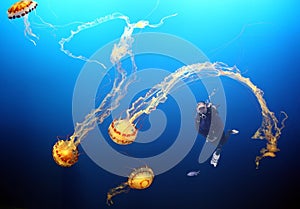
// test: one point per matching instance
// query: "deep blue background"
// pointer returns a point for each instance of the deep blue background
(36, 84)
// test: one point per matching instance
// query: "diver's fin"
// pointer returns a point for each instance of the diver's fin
(234, 131)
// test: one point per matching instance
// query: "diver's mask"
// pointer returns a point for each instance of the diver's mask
(202, 109)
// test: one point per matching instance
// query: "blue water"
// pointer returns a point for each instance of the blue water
(36, 82)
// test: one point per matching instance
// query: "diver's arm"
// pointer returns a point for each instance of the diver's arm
(197, 121)
(201, 125)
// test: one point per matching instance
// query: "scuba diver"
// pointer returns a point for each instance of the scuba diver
(210, 125)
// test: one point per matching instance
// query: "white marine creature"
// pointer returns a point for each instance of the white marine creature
(193, 173)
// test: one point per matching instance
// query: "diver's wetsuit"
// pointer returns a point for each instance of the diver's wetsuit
(211, 127)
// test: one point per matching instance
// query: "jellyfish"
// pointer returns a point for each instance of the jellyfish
(22, 9)
(269, 129)
(65, 153)
(113, 98)
(140, 178)
(122, 132)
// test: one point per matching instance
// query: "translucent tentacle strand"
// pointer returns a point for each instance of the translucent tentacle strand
(85, 26)
(28, 30)
(123, 188)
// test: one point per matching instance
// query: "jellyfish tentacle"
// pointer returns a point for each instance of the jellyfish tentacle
(162, 21)
(28, 30)
(122, 188)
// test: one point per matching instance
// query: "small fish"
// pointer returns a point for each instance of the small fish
(193, 173)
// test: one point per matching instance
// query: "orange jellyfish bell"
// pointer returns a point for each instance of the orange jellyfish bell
(122, 131)
(21, 8)
(65, 153)
(140, 178)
